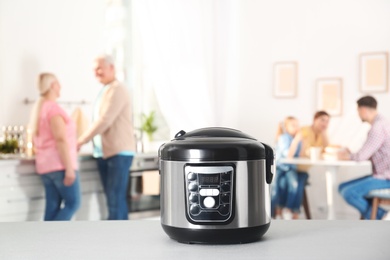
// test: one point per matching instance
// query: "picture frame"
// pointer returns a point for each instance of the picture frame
(330, 95)
(285, 79)
(374, 72)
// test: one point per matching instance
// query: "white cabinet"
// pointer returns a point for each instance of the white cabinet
(22, 195)
(22, 192)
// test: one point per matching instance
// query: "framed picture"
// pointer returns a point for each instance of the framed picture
(285, 79)
(329, 95)
(374, 69)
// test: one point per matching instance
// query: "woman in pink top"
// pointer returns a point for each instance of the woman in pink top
(54, 136)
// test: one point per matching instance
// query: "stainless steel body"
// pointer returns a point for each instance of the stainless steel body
(251, 196)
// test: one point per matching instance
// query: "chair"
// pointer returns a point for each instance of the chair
(305, 204)
(380, 196)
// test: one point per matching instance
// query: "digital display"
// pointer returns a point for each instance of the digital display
(209, 179)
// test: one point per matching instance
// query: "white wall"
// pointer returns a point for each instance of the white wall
(62, 37)
(325, 38)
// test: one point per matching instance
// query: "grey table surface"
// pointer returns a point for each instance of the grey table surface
(145, 239)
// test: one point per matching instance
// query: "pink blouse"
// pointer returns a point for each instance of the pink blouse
(47, 157)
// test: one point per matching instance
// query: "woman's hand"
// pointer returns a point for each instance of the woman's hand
(70, 177)
(294, 145)
(79, 144)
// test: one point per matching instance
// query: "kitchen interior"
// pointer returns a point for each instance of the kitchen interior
(240, 43)
(188, 65)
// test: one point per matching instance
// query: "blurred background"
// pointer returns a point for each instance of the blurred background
(199, 63)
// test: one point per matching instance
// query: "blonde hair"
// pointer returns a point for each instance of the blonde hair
(45, 81)
(282, 126)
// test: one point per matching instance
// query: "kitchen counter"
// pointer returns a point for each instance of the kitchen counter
(15, 158)
(145, 239)
(22, 192)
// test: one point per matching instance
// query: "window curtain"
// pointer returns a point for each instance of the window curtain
(190, 60)
(180, 50)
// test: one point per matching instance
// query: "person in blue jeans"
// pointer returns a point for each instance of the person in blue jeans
(287, 187)
(113, 137)
(376, 149)
(54, 137)
(114, 175)
(57, 193)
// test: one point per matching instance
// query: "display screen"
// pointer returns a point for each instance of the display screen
(209, 179)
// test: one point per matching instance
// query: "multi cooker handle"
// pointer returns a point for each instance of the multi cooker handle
(269, 162)
(180, 133)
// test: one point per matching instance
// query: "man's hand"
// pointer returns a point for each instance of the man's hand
(344, 154)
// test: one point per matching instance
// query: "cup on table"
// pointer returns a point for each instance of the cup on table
(315, 153)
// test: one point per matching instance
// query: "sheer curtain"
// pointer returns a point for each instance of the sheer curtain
(179, 54)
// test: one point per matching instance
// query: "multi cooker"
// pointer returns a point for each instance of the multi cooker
(215, 186)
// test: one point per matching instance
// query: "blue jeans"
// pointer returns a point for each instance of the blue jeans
(57, 193)
(114, 174)
(354, 193)
(287, 190)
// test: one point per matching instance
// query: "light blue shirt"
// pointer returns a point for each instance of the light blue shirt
(282, 148)
(97, 139)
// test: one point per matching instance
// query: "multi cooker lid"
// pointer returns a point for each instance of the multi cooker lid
(212, 144)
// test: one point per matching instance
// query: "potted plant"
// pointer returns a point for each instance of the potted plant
(147, 124)
(9, 146)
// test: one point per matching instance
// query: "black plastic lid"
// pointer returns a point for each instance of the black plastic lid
(212, 144)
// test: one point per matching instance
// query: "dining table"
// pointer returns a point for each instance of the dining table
(332, 168)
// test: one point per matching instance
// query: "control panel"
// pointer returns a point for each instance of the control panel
(209, 192)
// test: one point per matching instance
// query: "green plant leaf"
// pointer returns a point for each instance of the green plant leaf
(147, 124)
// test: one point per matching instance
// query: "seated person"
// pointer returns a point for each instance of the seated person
(312, 136)
(376, 149)
(307, 137)
(284, 188)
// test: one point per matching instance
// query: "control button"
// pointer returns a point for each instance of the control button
(193, 186)
(226, 176)
(209, 192)
(209, 202)
(215, 192)
(195, 209)
(225, 187)
(224, 209)
(194, 197)
(225, 198)
(191, 176)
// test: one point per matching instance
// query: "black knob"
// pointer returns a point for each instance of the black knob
(193, 186)
(225, 198)
(191, 176)
(194, 197)
(224, 209)
(225, 187)
(195, 209)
